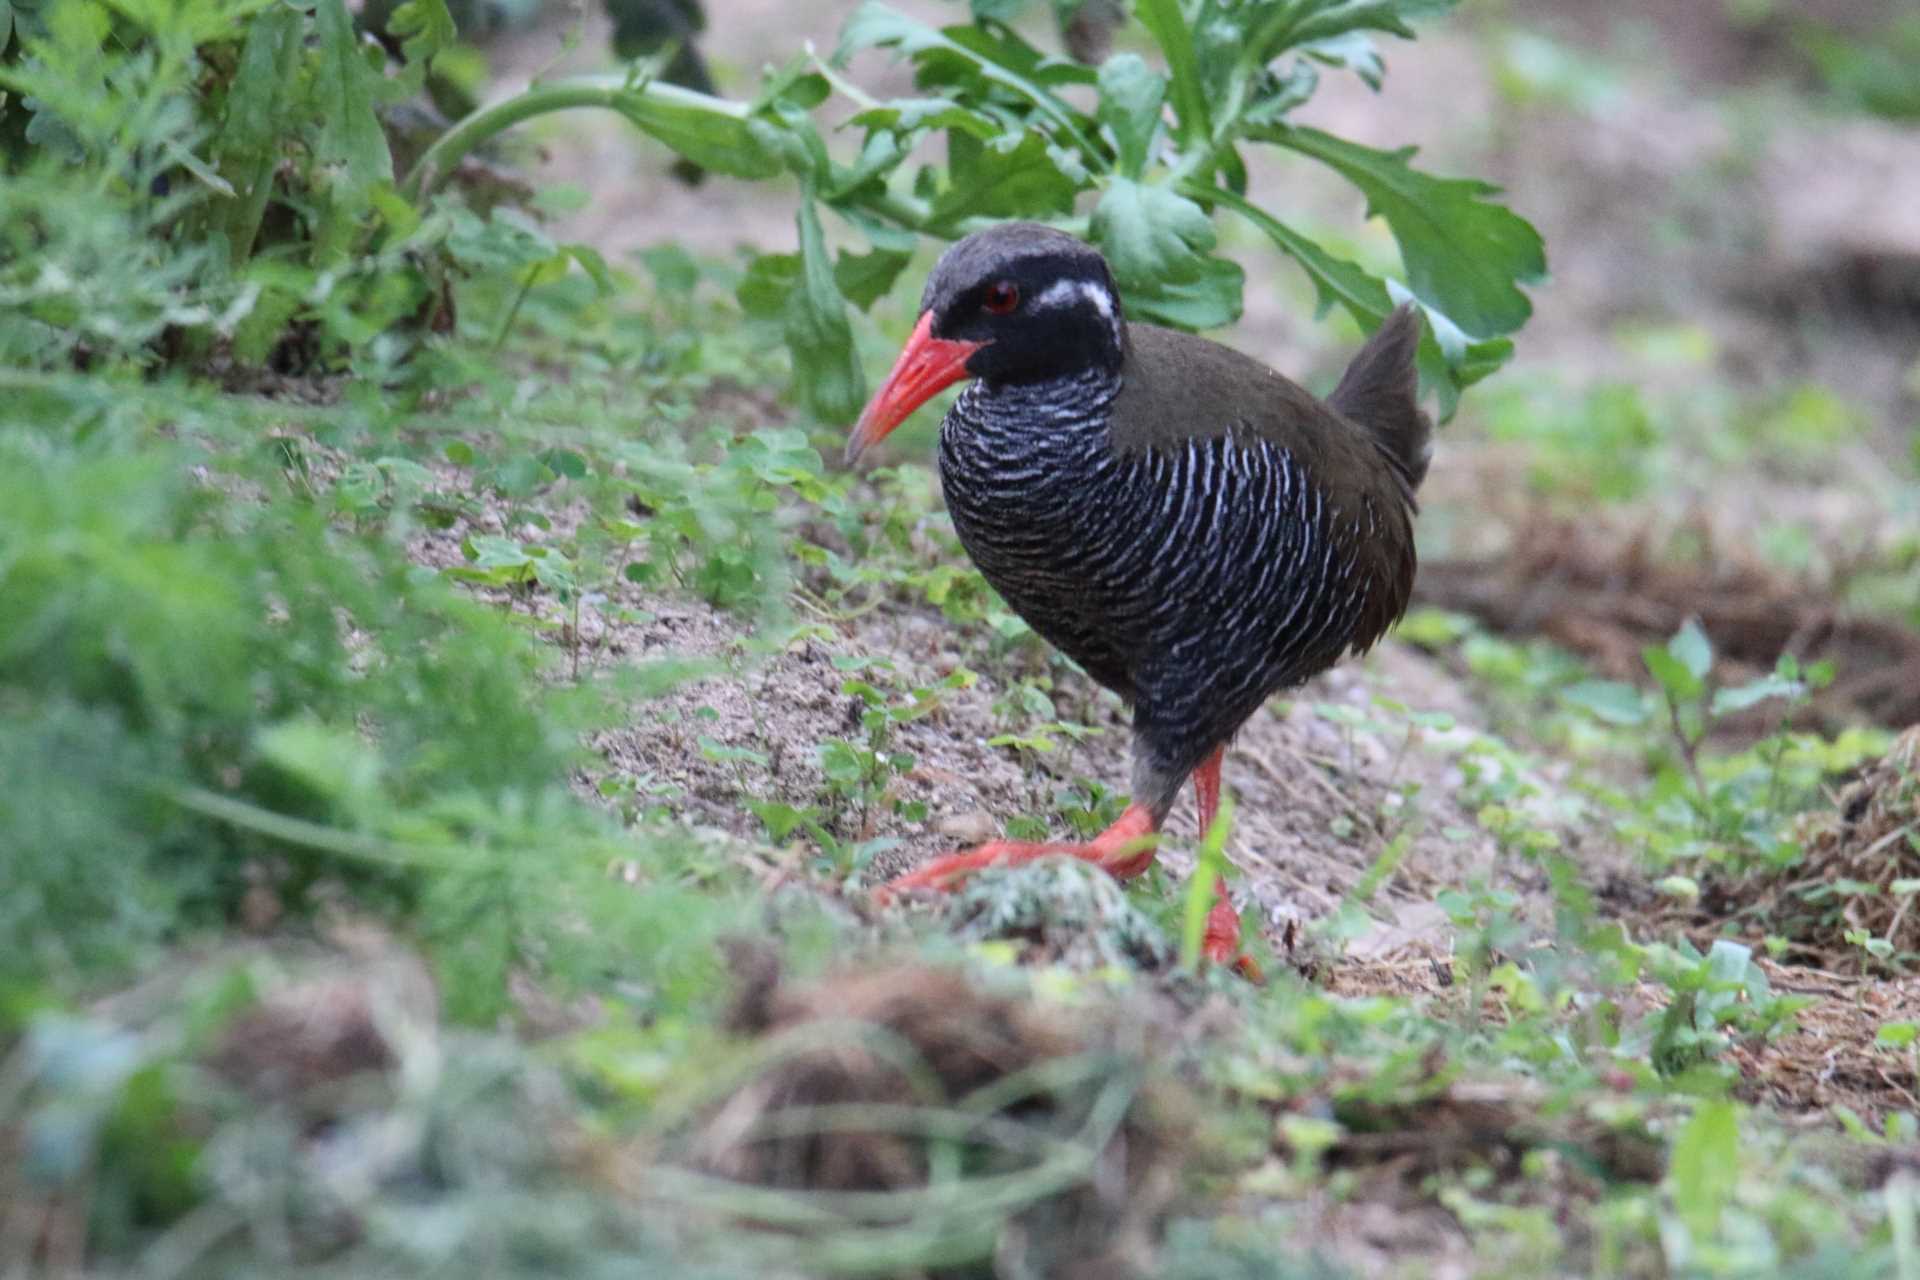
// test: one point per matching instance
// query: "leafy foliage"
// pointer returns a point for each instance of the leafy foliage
(274, 140)
(224, 694)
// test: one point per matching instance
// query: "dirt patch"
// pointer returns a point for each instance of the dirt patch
(1833, 1057)
(1320, 798)
(1608, 596)
(1856, 874)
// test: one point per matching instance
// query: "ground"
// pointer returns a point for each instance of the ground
(1606, 179)
(1686, 247)
(1581, 960)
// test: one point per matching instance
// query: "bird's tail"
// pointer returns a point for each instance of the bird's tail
(1381, 392)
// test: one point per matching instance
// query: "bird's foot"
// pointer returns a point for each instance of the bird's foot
(1222, 942)
(1124, 850)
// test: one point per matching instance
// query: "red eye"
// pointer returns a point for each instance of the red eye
(1002, 297)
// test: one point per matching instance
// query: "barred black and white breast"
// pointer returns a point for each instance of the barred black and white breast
(1195, 567)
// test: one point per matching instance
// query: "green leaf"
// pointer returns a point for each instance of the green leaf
(1449, 362)
(1680, 683)
(1209, 302)
(1335, 280)
(427, 29)
(346, 92)
(963, 57)
(673, 269)
(247, 148)
(1345, 16)
(1691, 646)
(1150, 233)
(1608, 700)
(1741, 697)
(1353, 51)
(876, 26)
(1008, 178)
(865, 277)
(912, 115)
(738, 146)
(594, 265)
(1706, 1165)
(1463, 254)
(769, 282)
(825, 366)
(1168, 27)
(1897, 1035)
(1130, 98)
(1158, 243)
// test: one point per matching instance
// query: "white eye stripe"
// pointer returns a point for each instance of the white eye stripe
(1065, 293)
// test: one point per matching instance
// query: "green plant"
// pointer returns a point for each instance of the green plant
(1160, 151)
(1732, 808)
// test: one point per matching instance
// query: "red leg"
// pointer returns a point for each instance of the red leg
(1206, 787)
(1222, 945)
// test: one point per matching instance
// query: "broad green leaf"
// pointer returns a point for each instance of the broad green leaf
(795, 84)
(1705, 1167)
(346, 92)
(1151, 233)
(336, 763)
(825, 367)
(1463, 253)
(1130, 98)
(247, 147)
(1446, 367)
(769, 282)
(1363, 294)
(1335, 279)
(1679, 682)
(1691, 646)
(864, 278)
(1730, 962)
(1608, 700)
(997, 181)
(738, 146)
(1208, 302)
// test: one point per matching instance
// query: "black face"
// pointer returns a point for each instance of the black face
(1043, 302)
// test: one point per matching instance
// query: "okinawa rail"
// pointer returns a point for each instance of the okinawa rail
(1193, 529)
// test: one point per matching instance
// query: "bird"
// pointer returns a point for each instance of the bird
(1193, 529)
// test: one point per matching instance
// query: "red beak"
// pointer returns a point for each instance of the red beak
(924, 367)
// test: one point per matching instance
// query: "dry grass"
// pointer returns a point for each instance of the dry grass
(905, 1110)
(1607, 597)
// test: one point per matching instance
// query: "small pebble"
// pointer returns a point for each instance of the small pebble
(968, 828)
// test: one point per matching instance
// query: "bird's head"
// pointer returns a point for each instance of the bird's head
(1017, 303)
